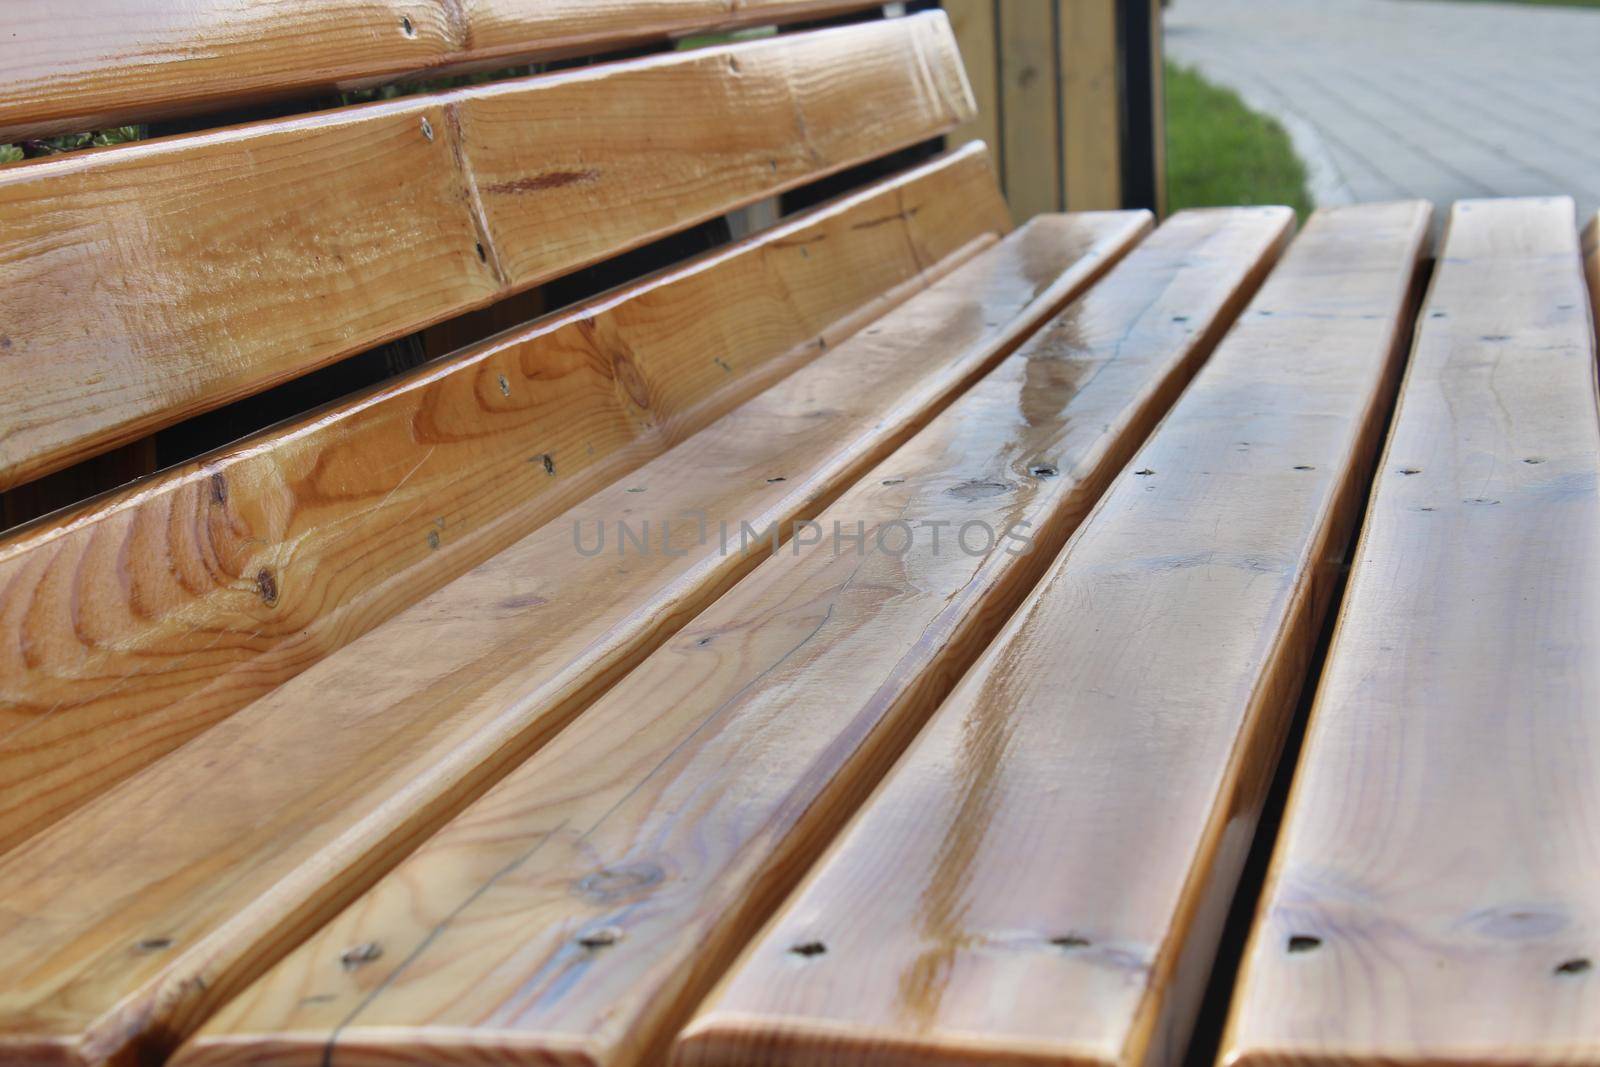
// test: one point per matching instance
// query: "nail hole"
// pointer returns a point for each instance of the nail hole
(1495, 337)
(154, 944)
(1580, 965)
(894, 481)
(406, 27)
(809, 949)
(1070, 941)
(1043, 470)
(601, 938)
(427, 128)
(1180, 318)
(1144, 472)
(483, 257)
(1437, 315)
(1304, 943)
(1409, 470)
(267, 586)
(704, 641)
(549, 464)
(635, 489)
(505, 386)
(219, 489)
(778, 479)
(1534, 459)
(356, 955)
(433, 539)
(1305, 467)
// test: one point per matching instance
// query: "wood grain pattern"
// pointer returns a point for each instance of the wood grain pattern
(1043, 878)
(1433, 898)
(129, 921)
(1091, 106)
(98, 63)
(1030, 141)
(674, 810)
(147, 282)
(132, 624)
(974, 25)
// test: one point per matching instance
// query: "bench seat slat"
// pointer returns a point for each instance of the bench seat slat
(130, 625)
(670, 813)
(1435, 893)
(145, 283)
(102, 63)
(1042, 879)
(126, 923)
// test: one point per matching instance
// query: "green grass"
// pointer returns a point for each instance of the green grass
(1220, 153)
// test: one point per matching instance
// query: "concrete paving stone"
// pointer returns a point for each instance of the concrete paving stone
(1387, 98)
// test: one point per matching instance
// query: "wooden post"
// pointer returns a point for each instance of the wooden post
(1069, 95)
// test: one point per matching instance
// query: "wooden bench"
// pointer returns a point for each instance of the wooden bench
(867, 641)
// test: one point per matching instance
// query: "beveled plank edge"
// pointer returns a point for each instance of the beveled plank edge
(927, 36)
(38, 107)
(160, 493)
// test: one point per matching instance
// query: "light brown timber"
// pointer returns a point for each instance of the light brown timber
(1042, 879)
(1435, 893)
(147, 282)
(672, 814)
(131, 624)
(126, 923)
(97, 63)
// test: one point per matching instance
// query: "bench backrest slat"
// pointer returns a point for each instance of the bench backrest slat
(112, 62)
(138, 620)
(144, 283)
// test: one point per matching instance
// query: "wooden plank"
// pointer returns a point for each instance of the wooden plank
(671, 813)
(1030, 126)
(1433, 898)
(974, 24)
(101, 63)
(1591, 261)
(138, 621)
(1091, 106)
(141, 284)
(1043, 877)
(127, 922)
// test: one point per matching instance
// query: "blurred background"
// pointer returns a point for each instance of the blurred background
(1299, 102)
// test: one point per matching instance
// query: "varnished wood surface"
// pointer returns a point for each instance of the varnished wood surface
(1043, 878)
(97, 63)
(1440, 857)
(126, 923)
(130, 625)
(144, 283)
(671, 812)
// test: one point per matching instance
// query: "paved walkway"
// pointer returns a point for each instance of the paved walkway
(1413, 98)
